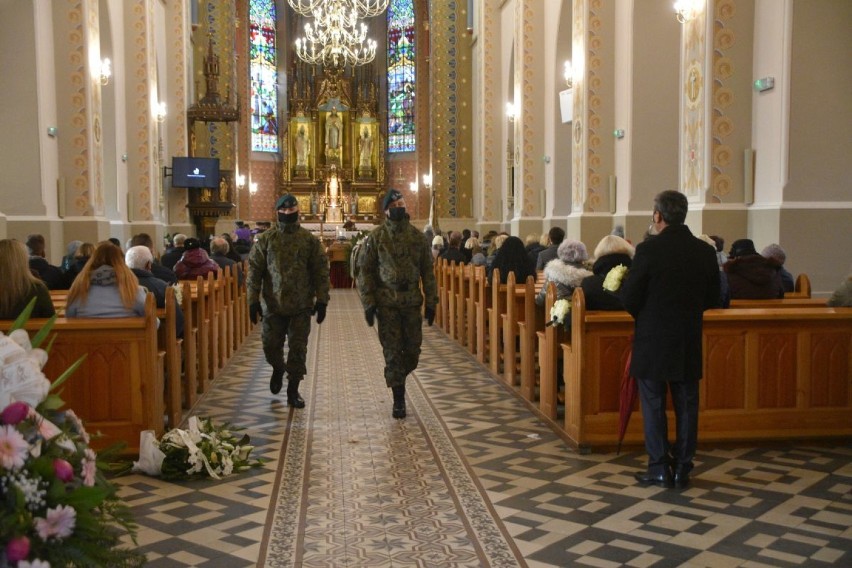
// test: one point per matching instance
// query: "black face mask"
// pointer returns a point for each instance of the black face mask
(288, 217)
(396, 213)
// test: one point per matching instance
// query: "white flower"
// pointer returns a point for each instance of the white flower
(560, 309)
(34, 564)
(22, 380)
(614, 277)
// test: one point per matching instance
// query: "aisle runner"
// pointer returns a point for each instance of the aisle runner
(358, 488)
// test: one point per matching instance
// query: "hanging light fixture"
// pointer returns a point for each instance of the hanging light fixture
(335, 38)
(686, 10)
(365, 8)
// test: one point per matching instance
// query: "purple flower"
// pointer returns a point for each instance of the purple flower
(63, 470)
(18, 548)
(14, 413)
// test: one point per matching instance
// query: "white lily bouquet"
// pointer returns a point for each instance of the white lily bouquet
(560, 312)
(614, 278)
(203, 449)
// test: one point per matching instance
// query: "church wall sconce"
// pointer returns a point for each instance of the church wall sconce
(413, 187)
(160, 113)
(686, 10)
(241, 181)
(106, 71)
(511, 111)
(253, 187)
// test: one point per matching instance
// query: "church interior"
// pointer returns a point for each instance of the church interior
(185, 116)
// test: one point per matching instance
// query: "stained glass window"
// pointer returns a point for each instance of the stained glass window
(263, 69)
(401, 76)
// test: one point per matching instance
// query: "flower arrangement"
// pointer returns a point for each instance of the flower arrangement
(614, 278)
(559, 312)
(203, 449)
(58, 509)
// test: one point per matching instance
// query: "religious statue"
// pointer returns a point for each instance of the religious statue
(303, 147)
(333, 135)
(366, 148)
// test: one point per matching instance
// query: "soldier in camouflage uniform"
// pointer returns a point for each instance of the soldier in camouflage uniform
(393, 261)
(288, 273)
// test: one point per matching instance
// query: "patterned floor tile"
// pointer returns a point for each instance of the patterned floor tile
(470, 478)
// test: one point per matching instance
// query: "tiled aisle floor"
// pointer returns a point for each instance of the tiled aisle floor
(470, 478)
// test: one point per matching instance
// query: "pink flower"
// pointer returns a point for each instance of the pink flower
(18, 548)
(89, 468)
(14, 413)
(59, 523)
(63, 470)
(78, 425)
(13, 448)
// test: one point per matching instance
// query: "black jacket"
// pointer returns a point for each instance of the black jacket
(754, 277)
(52, 276)
(673, 279)
(596, 297)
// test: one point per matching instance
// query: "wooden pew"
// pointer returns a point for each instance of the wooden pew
(190, 345)
(482, 306)
(495, 319)
(451, 282)
(529, 326)
(168, 341)
(118, 389)
(549, 339)
(462, 277)
(802, 287)
(769, 374)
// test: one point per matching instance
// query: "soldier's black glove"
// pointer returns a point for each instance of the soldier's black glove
(370, 314)
(319, 311)
(430, 315)
(255, 313)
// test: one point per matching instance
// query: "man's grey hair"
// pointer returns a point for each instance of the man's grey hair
(179, 239)
(138, 257)
(219, 246)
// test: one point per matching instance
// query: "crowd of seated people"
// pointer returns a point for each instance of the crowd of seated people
(194, 261)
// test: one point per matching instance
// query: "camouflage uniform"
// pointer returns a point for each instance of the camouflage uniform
(393, 261)
(287, 269)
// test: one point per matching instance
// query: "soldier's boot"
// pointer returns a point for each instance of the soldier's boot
(294, 399)
(276, 381)
(398, 402)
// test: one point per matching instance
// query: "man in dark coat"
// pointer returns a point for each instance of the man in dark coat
(556, 235)
(393, 263)
(52, 276)
(673, 279)
(140, 260)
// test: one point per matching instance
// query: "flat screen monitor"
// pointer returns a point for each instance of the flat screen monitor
(195, 172)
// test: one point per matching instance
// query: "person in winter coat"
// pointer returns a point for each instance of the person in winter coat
(750, 275)
(453, 251)
(139, 260)
(510, 257)
(106, 287)
(842, 297)
(288, 282)
(776, 253)
(673, 279)
(195, 261)
(566, 270)
(610, 252)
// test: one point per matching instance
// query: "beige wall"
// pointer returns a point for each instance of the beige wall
(821, 141)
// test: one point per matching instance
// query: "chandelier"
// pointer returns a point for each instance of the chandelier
(365, 8)
(336, 38)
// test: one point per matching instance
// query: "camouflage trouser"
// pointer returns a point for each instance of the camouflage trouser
(400, 333)
(294, 329)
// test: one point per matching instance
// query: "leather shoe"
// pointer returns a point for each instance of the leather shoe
(680, 479)
(660, 480)
(276, 381)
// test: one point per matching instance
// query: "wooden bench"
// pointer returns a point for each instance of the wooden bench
(118, 389)
(769, 374)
